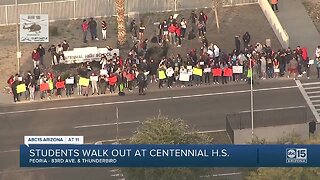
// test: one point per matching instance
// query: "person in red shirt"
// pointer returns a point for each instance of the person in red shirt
(172, 33)
(84, 27)
(35, 57)
(178, 35)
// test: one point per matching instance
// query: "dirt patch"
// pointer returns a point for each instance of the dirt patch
(234, 21)
(313, 8)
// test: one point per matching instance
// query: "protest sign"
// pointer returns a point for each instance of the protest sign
(184, 77)
(50, 85)
(237, 69)
(216, 72)
(60, 85)
(70, 81)
(277, 70)
(94, 78)
(21, 88)
(162, 75)
(84, 81)
(44, 87)
(227, 72)
(103, 72)
(197, 71)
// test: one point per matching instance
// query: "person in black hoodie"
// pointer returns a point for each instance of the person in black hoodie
(36, 72)
(141, 79)
(42, 52)
(14, 89)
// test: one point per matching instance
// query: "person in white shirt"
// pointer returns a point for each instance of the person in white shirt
(170, 73)
(183, 25)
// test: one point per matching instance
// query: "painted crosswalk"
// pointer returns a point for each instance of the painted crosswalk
(311, 93)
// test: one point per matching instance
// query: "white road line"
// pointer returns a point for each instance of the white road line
(272, 109)
(213, 131)
(309, 88)
(224, 174)
(313, 92)
(146, 100)
(10, 151)
(21, 170)
(314, 96)
(306, 97)
(314, 101)
(108, 124)
(308, 84)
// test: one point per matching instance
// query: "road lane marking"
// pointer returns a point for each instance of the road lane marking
(309, 84)
(224, 174)
(146, 100)
(108, 124)
(309, 102)
(272, 109)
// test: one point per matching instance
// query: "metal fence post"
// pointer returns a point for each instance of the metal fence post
(6, 10)
(74, 9)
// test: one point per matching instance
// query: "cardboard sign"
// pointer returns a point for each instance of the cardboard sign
(311, 61)
(44, 87)
(277, 70)
(197, 71)
(94, 78)
(216, 72)
(162, 75)
(84, 82)
(70, 81)
(21, 88)
(184, 77)
(249, 74)
(103, 72)
(207, 70)
(237, 69)
(50, 85)
(113, 80)
(60, 85)
(227, 72)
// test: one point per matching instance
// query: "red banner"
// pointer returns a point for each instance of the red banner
(112, 80)
(227, 72)
(60, 85)
(216, 72)
(44, 87)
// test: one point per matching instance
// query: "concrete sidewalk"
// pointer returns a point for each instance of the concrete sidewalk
(299, 26)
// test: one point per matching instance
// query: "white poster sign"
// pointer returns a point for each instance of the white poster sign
(34, 28)
(237, 69)
(87, 54)
(184, 77)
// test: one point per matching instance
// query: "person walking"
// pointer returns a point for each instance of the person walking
(35, 57)
(246, 39)
(42, 52)
(170, 76)
(104, 30)
(93, 29)
(84, 27)
(274, 5)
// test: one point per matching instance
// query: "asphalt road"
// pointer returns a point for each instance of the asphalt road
(204, 109)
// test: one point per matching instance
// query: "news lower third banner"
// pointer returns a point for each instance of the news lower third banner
(63, 155)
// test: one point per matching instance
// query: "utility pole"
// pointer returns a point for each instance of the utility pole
(251, 101)
(18, 45)
(117, 117)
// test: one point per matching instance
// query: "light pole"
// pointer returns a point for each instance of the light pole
(18, 45)
(251, 99)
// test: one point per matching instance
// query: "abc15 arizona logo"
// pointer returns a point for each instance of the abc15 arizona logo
(296, 155)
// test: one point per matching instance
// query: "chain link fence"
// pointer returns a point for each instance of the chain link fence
(75, 9)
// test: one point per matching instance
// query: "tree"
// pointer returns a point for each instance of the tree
(286, 173)
(162, 130)
(122, 34)
(216, 6)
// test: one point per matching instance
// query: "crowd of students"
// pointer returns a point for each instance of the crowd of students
(205, 65)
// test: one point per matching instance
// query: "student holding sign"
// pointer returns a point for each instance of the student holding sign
(162, 75)
(59, 86)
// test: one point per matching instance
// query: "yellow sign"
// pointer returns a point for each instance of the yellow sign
(162, 75)
(249, 75)
(50, 85)
(84, 81)
(21, 88)
(197, 71)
